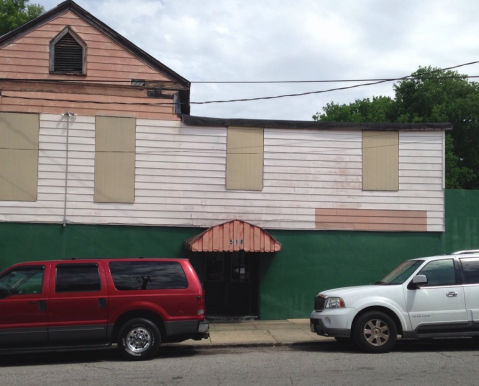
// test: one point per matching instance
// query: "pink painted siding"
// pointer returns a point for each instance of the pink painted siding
(28, 57)
(87, 104)
(372, 220)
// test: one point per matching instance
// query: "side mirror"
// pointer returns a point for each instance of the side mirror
(417, 281)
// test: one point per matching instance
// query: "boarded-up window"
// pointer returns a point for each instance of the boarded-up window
(19, 156)
(381, 160)
(115, 146)
(244, 158)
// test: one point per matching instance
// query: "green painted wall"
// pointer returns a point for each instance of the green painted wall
(312, 261)
(27, 242)
(309, 262)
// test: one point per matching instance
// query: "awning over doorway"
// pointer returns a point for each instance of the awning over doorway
(233, 236)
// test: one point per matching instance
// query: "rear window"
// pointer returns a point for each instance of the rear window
(147, 275)
(471, 270)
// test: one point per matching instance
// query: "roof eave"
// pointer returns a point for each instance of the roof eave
(286, 124)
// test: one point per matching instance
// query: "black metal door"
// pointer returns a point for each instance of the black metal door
(231, 283)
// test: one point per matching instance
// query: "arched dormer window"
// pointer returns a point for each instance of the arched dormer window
(67, 53)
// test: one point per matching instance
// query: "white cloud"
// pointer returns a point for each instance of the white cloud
(244, 40)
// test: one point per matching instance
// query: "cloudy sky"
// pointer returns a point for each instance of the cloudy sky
(285, 40)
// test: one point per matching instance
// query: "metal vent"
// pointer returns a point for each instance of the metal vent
(68, 55)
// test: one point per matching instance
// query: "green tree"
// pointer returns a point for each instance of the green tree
(14, 13)
(431, 95)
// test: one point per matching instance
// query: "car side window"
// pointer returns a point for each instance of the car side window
(77, 278)
(148, 275)
(22, 281)
(470, 268)
(439, 272)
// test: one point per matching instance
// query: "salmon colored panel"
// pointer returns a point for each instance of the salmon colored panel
(246, 236)
(262, 237)
(257, 241)
(231, 236)
(205, 241)
(372, 212)
(236, 239)
(373, 227)
(267, 243)
(216, 235)
(251, 238)
(241, 234)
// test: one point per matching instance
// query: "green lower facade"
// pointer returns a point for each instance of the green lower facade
(309, 262)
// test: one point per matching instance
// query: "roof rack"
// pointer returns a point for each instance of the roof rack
(465, 252)
(102, 258)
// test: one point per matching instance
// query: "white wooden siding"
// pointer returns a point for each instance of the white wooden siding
(180, 177)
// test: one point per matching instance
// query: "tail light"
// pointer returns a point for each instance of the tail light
(201, 304)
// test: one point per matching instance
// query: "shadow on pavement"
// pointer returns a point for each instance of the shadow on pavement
(86, 356)
(430, 345)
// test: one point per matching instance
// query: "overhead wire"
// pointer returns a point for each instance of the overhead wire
(380, 81)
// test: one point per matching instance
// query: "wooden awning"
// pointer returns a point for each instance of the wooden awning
(233, 236)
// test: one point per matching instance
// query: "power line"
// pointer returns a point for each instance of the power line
(259, 98)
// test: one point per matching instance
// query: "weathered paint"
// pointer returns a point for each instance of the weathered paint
(233, 236)
(28, 57)
(372, 220)
(180, 178)
(310, 261)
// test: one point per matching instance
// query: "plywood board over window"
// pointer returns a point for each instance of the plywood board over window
(115, 148)
(381, 160)
(244, 158)
(19, 156)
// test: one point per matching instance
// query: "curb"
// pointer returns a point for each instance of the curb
(241, 345)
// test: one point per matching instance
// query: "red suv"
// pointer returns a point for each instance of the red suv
(136, 303)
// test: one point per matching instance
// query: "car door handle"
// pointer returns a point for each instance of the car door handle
(102, 303)
(451, 294)
(42, 305)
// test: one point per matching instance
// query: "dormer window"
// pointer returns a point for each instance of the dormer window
(67, 53)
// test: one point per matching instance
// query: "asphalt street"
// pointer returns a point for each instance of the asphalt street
(447, 362)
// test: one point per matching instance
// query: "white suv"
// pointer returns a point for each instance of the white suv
(427, 297)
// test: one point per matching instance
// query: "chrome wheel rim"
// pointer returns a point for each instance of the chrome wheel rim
(376, 332)
(138, 340)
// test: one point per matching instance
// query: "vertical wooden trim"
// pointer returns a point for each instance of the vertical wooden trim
(444, 160)
(380, 160)
(231, 236)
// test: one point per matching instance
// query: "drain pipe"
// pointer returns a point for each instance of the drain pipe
(68, 114)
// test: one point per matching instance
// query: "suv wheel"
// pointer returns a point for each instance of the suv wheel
(139, 339)
(375, 332)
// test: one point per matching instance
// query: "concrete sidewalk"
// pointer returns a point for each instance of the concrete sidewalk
(257, 332)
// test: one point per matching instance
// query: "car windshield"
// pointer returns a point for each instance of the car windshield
(401, 273)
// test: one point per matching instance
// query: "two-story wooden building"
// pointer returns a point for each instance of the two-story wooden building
(100, 157)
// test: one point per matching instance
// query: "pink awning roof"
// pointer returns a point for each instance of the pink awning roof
(233, 236)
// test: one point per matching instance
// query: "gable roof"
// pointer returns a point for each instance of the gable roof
(70, 5)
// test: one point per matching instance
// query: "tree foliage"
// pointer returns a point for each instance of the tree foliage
(14, 13)
(430, 95)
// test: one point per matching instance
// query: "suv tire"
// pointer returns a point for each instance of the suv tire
(139, 339)
(375, 332)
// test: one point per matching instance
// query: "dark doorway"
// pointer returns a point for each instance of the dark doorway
(231, 283)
